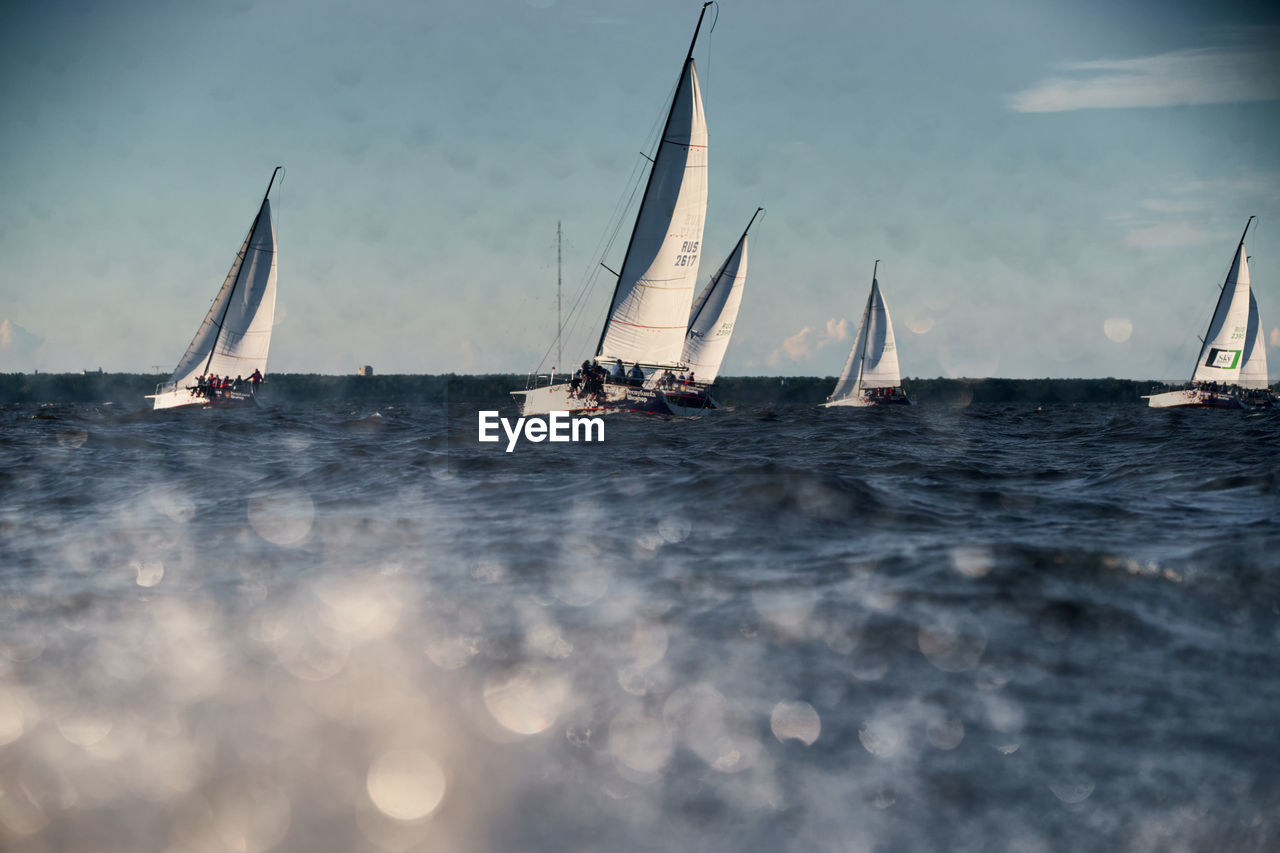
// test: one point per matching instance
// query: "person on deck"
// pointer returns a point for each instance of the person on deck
(619, 374)
(635, 375)
(255, 379)
(592, 378)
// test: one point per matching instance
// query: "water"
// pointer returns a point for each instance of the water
(341, 629)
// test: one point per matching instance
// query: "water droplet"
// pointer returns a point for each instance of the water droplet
(526, 699)
(973, 561)
(83, 727)
(72, 438)
(648, 645)
(406, 784)
(1117, 329)
(12, 718)
(1074, 790)
(881, 737)
(250, 814)
(282, 517)
(785, 609)
(944, 732)
(639, 741)
(148, 574)
(795, 720)
(675, 529)
(953, 643)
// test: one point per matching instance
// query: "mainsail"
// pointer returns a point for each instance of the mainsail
(1253, 373)
(715, 312)
(873, 361)
(650, 309)
(1223, 352)
(236, 332)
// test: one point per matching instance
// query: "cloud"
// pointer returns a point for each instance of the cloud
(1244, 72)
(1169, 206)
(1167, 235)
(797, 346)
(17, 345)
(804, 344)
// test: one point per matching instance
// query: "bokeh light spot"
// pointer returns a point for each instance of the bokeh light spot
(282, 517)
(795, 721)
(149, 573)
(639, 741)
(952, 644)
(406, 784)
(1117, 329)
(526, 699)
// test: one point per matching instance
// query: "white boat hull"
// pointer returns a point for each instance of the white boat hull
(181, 398)
(1194, 397)
(856, 401)
(615, 399)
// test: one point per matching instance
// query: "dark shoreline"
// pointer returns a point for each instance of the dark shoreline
(128, 389)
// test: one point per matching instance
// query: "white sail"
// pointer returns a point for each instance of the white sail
(1222, 354)
(1253, 372)
(714, 314)
(650, 309)
(873, 361)
(236, 333)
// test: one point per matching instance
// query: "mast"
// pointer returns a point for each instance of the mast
(715, 280)
(559, 323)
(232, 292)
(649, 184)
(866, 330)
(1222, 292)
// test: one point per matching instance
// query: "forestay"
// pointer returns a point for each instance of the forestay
(1223, 350)
(236, 333)
(714, 315)
(873, 361)
(650, 310)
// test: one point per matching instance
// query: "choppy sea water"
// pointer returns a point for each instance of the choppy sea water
(346, 629)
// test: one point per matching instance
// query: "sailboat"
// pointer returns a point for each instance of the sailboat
(1231, 369)
(644, 334)
(871, 376)
(232, 341)
(715, 312)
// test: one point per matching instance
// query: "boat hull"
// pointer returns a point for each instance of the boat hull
(1194, 397)
(856, 402)
(186, 398)
(615, 399)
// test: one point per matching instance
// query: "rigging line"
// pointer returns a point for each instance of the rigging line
(603, 244)
(608, 237)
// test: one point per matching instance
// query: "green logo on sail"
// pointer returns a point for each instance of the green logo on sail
(1223, 359)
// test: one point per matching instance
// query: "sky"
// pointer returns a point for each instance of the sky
(1053, 188)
